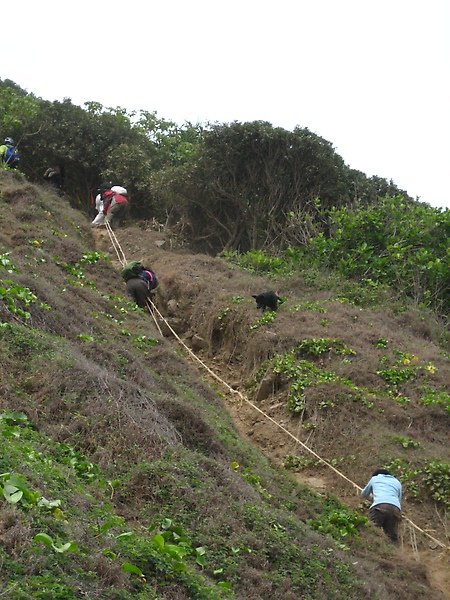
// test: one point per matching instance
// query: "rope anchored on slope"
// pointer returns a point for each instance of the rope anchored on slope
(154, 310)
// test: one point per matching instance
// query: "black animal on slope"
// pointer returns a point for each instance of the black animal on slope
(267, 300)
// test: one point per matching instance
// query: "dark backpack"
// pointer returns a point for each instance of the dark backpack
(149, 277)
(132, 270)
(11, 157)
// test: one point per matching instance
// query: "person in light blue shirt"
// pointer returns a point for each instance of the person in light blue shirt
(386, 493)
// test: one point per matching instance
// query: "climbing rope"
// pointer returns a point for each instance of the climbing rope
(116, 245)
(153, 309)
(122, 259)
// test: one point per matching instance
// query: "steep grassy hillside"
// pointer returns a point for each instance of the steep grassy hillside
(122, 473)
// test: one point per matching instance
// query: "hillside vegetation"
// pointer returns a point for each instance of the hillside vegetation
(128, 469)
(123, 473)
(240, 187)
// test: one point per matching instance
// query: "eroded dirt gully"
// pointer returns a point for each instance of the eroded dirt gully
(209, 306)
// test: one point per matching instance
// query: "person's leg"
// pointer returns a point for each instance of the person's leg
(99, 220)
(122, 214)
(138, 291)
(376, 516)
(114, 208)
(392, 524)
(388, 517)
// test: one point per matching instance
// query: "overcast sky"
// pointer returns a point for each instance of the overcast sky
(370, 76)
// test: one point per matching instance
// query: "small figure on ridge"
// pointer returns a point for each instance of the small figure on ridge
(55, 176)
(9, 156)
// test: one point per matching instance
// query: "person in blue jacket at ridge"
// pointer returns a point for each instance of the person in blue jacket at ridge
(386, 510)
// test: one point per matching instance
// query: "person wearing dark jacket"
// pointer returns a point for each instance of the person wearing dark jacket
(55, 176)
(141, 288)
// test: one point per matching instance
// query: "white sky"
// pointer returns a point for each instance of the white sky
(370, 76)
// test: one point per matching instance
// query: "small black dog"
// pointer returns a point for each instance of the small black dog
(267, 300)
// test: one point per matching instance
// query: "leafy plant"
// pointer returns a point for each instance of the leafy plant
(15, 489)
(406, 442)
(143, 341)
(313, 306)
(301, 374)
(170, 550)
(298, 463)
(328, 403)
(257, 261)
(75, 270)
(436, 477)
(82, 467)
(396, 376)
(222, 316)
(405, 358)
(48, 541)
(254, 480)
(15, 296)
(128, 567)
(436, 397)
(381, 343)
(431, 479)
(13, 417)
(93, 257)
(7, 264)
(85, 337)
(268, 317)
(318, 346)
(393, 241)
(338, 521)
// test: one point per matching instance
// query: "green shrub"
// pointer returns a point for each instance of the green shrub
(338, 521)
(268, 317)
(436, 397)
(406, 442)
(318, 346)
(430, 479)
(257, 261)
(392, 242)
(396, 376)
(436, 477)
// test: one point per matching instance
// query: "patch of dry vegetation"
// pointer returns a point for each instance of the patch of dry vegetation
(159, 442)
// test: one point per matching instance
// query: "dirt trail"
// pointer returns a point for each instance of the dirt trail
(273, 442)
(270, 441)
(262, 433)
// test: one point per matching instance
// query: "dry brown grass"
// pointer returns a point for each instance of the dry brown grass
(202, 288)
(123, 406)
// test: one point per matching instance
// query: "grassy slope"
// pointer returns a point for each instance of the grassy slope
(123, 433)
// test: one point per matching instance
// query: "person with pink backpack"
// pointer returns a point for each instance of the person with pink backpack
(140, 282)
(111, 203)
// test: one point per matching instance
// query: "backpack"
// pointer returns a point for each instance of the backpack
(149, 277)
(11, 157)
(132, 270)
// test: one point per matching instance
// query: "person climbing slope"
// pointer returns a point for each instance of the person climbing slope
(9, 156)
(115, 204)
(386, 493)
(55, 177)
(140, 282)
(103, 200)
